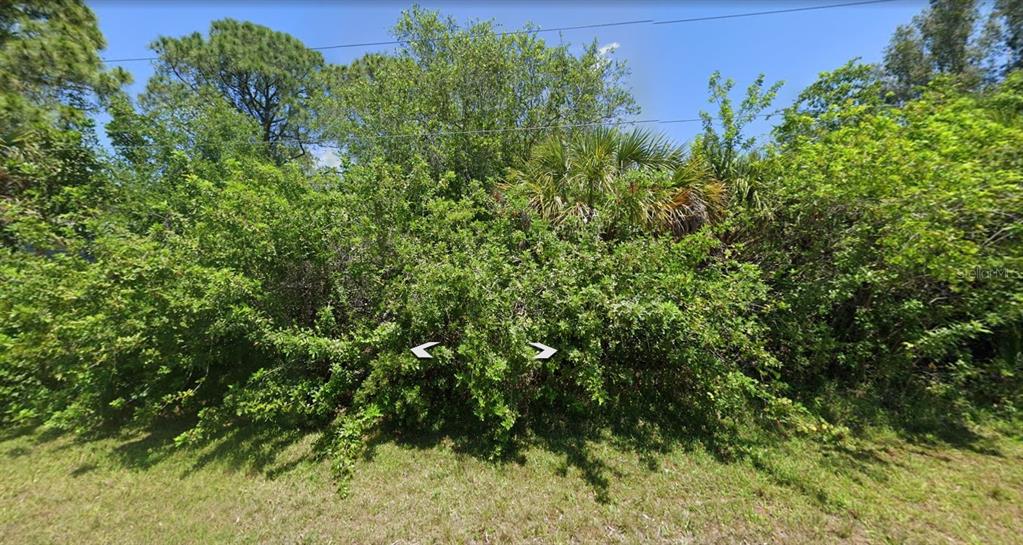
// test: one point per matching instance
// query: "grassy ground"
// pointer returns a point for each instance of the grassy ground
(266, 489)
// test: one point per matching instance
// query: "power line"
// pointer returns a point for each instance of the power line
(605, 122)
(509, 33)
(770, 12)
(397, 42)
(611, 122)
(578, 27)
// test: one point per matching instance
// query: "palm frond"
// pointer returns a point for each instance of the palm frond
(636, 178)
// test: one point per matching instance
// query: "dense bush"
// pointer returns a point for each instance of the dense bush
(231, 308)
(138, 330)
(895, 246)
(123, 322)
(485, 282)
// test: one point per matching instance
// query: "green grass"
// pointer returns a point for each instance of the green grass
(266, 488)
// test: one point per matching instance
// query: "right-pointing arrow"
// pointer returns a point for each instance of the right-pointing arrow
(420, 351)
(545, 351)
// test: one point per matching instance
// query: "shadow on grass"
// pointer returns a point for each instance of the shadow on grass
(574, 444)
(247, 448)
(919, 419)
(649, 431)
(251, 448)
(84, 469)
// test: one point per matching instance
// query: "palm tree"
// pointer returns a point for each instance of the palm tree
(741, 170)
(635, 179)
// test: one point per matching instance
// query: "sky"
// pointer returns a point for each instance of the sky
(669, 63)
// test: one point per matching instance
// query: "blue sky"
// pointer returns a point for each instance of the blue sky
(669, 63)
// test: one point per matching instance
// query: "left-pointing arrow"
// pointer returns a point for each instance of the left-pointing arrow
(420, 351)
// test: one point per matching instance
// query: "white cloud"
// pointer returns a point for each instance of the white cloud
(607, 49)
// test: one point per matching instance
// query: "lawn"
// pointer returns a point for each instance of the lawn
(266, 488)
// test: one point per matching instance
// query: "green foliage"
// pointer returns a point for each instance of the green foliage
(1008, 24)
(842, 96)
(48, 52)
(154, 321)
(621, 181)
(180, 124)
(227, 308)
(725, 147)
(466, 82)
(948, 39)
(896, 247)
(136, 332)
(732, 156)
(619, 321)
(50, 74)
(266, 75)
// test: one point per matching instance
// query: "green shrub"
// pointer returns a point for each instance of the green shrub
(133, 330)
(258, 298)
(895, 248)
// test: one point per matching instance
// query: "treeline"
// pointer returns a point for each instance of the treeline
(863, 264)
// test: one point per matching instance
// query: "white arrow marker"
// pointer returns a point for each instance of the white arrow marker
(546, 351)
(420, 351)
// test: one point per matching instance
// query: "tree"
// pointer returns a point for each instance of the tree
(838, 97)
(49, 52)
(468, 100)
(947, 29)
(724, 148)
(729, 154)
(947, 40)
(939, 41)
(267, 75)
(625, 180)
(50, 76)
(906, 62)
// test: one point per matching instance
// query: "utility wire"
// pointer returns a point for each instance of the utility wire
(769, 12)
(397, 42)
(605, 122)
(508, 33)
(610, 122)
(578, 27)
